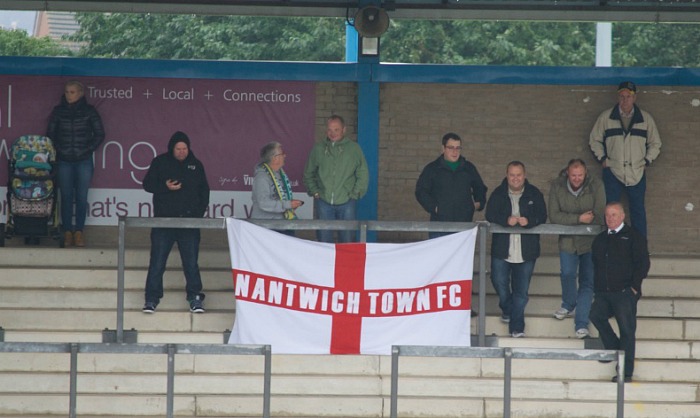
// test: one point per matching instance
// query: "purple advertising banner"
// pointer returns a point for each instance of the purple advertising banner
(228, 121)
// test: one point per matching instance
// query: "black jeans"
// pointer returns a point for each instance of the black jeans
(623, 306)
(162, 240)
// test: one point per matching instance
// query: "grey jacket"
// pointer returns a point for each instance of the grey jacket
(266, 200)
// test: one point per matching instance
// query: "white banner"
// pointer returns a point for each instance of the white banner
(305, 297)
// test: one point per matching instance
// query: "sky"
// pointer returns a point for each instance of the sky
(23, 20)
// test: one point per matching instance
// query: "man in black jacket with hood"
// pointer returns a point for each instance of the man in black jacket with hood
(620, 263)
(180, 190)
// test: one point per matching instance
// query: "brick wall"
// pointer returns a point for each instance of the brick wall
(542, 125)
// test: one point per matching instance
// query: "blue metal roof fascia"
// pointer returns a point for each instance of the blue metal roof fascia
(231, 70)
(476, 74)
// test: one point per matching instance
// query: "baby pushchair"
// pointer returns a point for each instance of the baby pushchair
(32, 203)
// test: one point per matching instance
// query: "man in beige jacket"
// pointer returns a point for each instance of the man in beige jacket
(625, 141)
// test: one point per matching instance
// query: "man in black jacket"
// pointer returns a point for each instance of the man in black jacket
(515, 203)
(450, 188)
(620, 263)
(180, 190)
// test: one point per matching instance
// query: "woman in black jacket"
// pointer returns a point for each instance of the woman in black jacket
(76, 130)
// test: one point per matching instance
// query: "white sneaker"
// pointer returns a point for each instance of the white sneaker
(518, 335)
(582, 333)
(562, 313)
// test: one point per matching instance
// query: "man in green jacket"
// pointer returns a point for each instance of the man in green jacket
(576, 198)
(336, 175)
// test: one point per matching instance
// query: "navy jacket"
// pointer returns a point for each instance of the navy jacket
(531, 206)
(620, 261)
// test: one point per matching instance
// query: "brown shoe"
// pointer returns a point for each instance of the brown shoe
(68, 239)
(79, 239)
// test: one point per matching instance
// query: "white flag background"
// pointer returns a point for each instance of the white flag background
(305, 297)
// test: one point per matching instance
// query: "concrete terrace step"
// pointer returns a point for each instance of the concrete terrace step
(218, 258)
(69, 295)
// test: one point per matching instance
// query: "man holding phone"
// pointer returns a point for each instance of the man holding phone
(180, 190)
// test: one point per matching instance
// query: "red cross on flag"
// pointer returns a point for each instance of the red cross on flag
(306, 297)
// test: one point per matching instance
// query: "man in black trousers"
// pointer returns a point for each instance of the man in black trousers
(620, 263)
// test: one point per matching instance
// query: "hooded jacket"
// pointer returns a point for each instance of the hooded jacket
(531, 206)
(192, 199)
(452, 192)
(627, 152)
(75, 129)
(564, 209)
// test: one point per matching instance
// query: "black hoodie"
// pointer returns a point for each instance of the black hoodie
(192, 199)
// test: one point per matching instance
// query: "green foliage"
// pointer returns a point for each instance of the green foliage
(158, 36)
(154, 36)
(656, 45)
(18, 43)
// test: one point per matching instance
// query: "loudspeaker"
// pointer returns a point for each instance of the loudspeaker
(371, 21)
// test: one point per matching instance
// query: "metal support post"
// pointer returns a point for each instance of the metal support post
(73, 380)
(483, 232)
(620, 384)
(171, 380)
(394, 382)
(121, 254)
(507, 377)
(267, 380)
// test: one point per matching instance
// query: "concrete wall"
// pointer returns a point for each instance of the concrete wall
(542, 125)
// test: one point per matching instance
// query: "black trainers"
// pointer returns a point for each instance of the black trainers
(149, 307)
(197, 304)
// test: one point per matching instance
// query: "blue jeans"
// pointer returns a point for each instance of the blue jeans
(512, 282)
(571, 297)
(623, 306)
(162, 240)
(74, 180)
(635, 195)
(344, 212)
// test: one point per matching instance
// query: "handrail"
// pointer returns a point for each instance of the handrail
(508, 354)
(170, 349)
(362, 226)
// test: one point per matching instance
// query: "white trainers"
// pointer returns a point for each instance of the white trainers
(562, 313)
(518, 335)
(582, 333)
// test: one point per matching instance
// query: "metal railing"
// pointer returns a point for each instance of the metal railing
(507, 354)
(361, 226)
(170, 349)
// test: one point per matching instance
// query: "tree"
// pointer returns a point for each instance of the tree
(157, 36)
(153, 36)
(18, 43)
(656, 45)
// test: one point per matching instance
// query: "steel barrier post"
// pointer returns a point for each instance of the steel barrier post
(170, 396)
(620, 384)
(73, 397)
(363, 231)
(394, 382)
(483, 228)
(121, 254)
(267, 380)
(507, 375)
